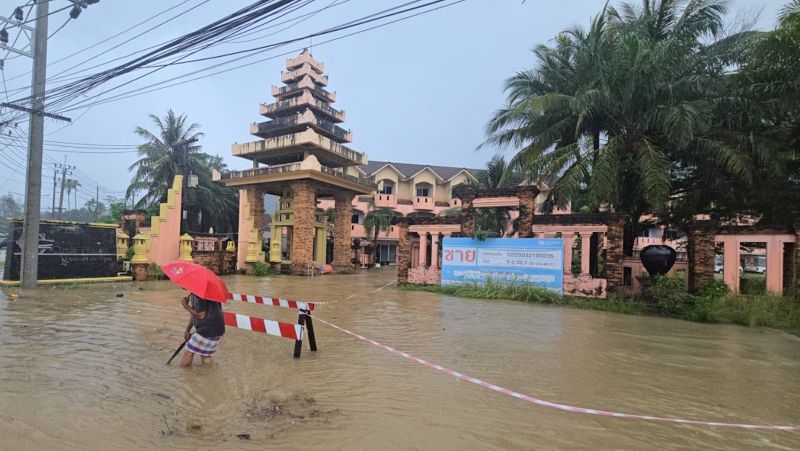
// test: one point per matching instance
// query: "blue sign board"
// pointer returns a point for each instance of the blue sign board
(535, 261)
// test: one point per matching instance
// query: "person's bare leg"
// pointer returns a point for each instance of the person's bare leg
(206, 360)
(186, 360)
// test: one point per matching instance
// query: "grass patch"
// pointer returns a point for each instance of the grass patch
(531, 293)
(666, 297)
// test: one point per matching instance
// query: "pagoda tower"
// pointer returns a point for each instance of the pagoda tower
(301, 156)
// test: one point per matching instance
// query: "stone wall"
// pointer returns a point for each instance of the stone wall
(585, 285)
(425, 275)
(221, 262)
(527, 207)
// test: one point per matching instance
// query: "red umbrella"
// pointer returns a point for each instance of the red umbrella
(198, 279)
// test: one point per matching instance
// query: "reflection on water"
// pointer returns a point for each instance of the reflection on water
(84, 369)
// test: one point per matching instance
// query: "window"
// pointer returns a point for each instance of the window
(387, 189)
(422, 192)
(387, 253)
(354, 219)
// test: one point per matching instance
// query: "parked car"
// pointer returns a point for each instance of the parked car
(718, 268)
(759, 269)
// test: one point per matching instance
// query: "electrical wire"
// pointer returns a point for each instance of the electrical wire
(361, 21)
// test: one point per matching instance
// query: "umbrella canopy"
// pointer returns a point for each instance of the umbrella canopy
(198, 279)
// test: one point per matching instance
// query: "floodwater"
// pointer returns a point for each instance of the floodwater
(81, 368)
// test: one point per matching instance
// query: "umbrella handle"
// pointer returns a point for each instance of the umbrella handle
(177, 351)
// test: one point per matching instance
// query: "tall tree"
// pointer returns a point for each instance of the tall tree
(173, 150)
(629, 112)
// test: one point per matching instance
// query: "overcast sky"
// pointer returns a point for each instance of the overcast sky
(418, 91)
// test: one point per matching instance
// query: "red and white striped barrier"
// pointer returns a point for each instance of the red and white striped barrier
(554, 405)
(269, 327)
(276, 302)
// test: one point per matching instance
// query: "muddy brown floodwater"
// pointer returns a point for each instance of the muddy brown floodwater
(81, 368)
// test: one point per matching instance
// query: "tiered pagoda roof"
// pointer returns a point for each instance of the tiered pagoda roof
(302, 123)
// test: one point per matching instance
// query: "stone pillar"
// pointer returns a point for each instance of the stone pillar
(569, 238)
(700, 247)
(730, 266)
(615, 254)
(304, 208)
(403, 253)
(321, 244)
(435, 250)
(527, 207)
(343, 213)
(423, 250)
(586, 250)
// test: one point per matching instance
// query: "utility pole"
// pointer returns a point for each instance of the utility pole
(64, 169)
(29, 267)
(33, 178)
(97, 203)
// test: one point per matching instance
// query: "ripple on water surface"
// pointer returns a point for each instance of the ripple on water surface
(84, 369)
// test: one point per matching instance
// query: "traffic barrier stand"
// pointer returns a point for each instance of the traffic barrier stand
(303, 320)
(266, 326)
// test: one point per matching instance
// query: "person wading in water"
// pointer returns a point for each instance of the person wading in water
(209, 327)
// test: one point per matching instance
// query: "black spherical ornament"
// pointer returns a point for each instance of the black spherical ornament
(658, 259)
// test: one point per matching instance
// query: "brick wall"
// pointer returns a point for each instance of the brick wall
(219, 261)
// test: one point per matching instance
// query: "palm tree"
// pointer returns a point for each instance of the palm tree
(624, 113)
(173, 150)
(376, 221)
(71, 186)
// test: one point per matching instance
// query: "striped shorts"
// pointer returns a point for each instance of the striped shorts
(201, 345)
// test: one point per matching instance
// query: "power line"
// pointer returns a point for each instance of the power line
(145, 90)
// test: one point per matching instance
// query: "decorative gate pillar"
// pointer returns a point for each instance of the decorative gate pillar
(403, 253)
(304, 207)
(527, 207)
(343, 213)
(701, 250)
(615, 253)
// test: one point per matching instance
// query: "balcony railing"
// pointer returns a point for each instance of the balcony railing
(303, 138)
(294, 167)
(304, 70)
(341, 174)
(334, 130)
(305, 83)
(359, 231)
(303, 100)
(276, 169)
(283, 123)
(423, 203)
(385, 200)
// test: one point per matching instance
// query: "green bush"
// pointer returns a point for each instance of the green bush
(669, 295)
(261, 269)
(753, 285)
(129, 253)
(154, 272)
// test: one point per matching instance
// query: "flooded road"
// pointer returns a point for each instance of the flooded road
(81, 368)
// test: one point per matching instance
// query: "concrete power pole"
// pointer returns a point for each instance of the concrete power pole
(33, 178)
